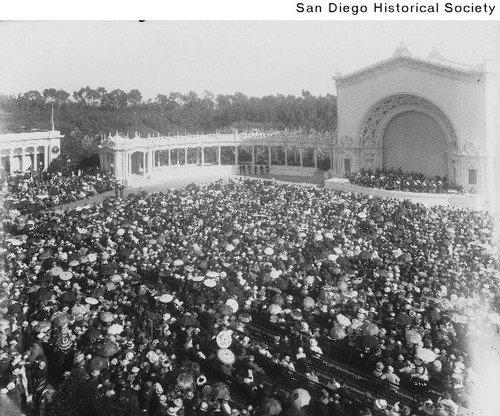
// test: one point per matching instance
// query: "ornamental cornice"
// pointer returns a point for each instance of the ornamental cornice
(466, 74)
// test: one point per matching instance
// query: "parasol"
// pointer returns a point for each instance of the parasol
(413, 337)
(115, 329)
(369, 328)
(271, 407)
(166, 298)
(226, 356)
(65, 276)
(300, 398)
(91, 301)
(343, 320)
(225, 310)
(224, 339)
(67, 297)
(56, 271)
(185, 381)
(116, 278)
(98, 363)
(220, 390)
(108, 349)
(107, 317)
(43, 326)
(62, 320)
(245, 317)
(278, 300)
(426, 355)
(297, 314)
(268, 251)
(209, 282)
(275, 309)
(233, 304)
(309, 302)
(404, 319)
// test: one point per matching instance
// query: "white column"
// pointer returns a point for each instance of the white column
(144, 168)
(315, 156)
(219, 156)
(236, 154)
(202, 156)
(286, 156)
(10, 160)
(185, 156)
(301, 156)
(169, 163)
(21, 160)
(35, 159)
(46, 157)
(269, 156)
(253, 156)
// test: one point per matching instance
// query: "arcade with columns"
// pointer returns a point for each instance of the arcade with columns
(23, 152)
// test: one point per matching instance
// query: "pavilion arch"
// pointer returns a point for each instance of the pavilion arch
(378, 117)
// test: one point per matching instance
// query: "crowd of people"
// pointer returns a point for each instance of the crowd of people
(397, 179)
(34, 191)
(256, 169)
(147, 303)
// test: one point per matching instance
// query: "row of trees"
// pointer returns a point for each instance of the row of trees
(88, 113)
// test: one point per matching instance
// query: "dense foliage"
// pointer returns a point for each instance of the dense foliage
(89, 113)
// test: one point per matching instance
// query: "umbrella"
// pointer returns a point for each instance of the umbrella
(343, 320)
(300, 398)
(404, 319)
(43, 326)
(272, 407)
(67, 297)
(47, 254)
(56, 271)
(115, 329)
(226, 356)
(413, 337)
(209, 282)
(116, 278)
(309, 302)
(91, 334)
(224, 339)
(225, 310)
(188, 320)
(220, 390)
(91, 301)
(275, 309)
(98, 363)
(62, 320)
(178, 262)
(426, 355)
(108, 349)
(370, 329)
(338, 332)
(369, 341)
(268, 251)
(185, 381)
(65, 276)
(107, 270)
(233, 303)
(64, 343)
(166, 298)
(107, 316)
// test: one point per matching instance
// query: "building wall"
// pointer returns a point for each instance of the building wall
(462, 100)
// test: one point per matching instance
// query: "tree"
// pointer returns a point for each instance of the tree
(51, 95)
(134, 98)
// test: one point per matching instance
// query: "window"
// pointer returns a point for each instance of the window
(472, 177)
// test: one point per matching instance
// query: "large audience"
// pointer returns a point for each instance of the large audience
(151, 304)
(397, 179)
(35, 191)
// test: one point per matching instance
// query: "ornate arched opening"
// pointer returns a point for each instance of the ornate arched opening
(410, 132)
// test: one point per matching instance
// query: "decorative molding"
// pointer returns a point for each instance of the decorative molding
(373, 124)
(471, 74)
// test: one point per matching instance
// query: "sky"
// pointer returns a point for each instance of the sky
(256, 58)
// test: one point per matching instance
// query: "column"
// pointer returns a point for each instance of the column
(10, 161)
(35, 160)
(269, 156)
(236, 155)
(169, 156)
(46, 157)
(185, 156)
(202, 156)
(150, 162)
(21, 160)
(315, 156)
(253, 155)
(218, 156)
(301, 156)
(143, 162)
(286, 156)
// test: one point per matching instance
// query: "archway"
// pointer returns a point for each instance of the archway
(415, 142)
(410, 132)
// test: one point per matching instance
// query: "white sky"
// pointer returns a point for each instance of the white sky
(257, 58)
